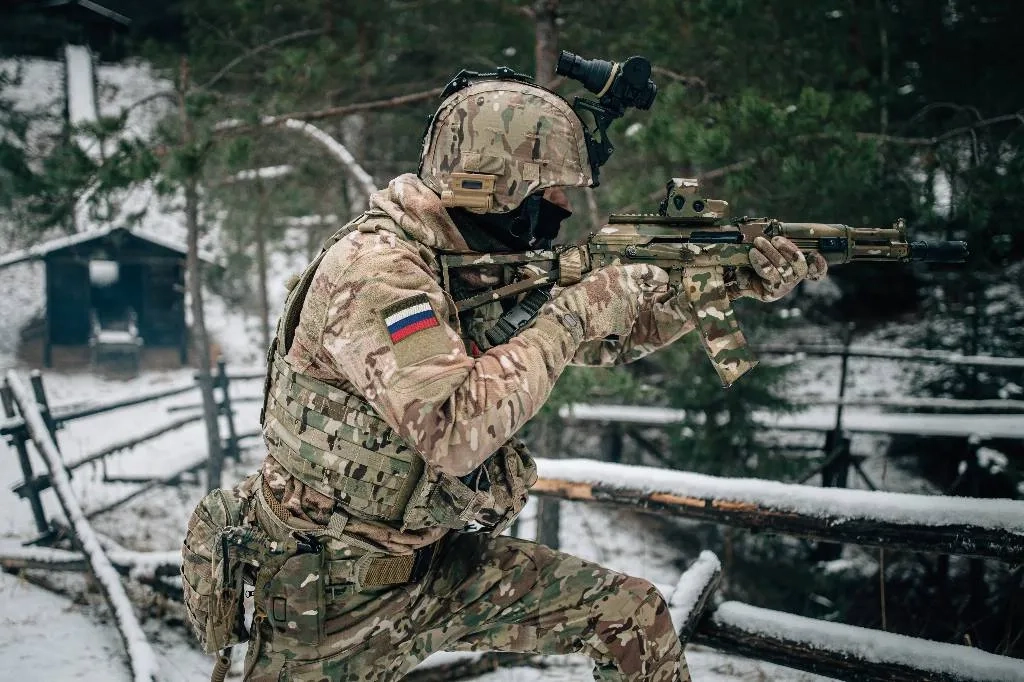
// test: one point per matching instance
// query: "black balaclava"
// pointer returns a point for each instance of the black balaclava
(532, 225)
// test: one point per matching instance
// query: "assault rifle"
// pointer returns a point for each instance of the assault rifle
(692, 239)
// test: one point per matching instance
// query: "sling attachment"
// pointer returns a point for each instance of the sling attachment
(517, 317)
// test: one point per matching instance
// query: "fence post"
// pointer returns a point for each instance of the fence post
(36, 379)
(548, 521)
(18, 440)
(835, 473)
(225, 408)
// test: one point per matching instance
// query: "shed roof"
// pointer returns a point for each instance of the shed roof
(40, 251)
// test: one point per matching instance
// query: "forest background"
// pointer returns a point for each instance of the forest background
(853, 111)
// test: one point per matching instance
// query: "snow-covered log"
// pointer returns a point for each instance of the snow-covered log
(141, 658)
(854, 421)
(924, 523)
(14, 556)
(914, 354)
(693, 592)
(847, 652)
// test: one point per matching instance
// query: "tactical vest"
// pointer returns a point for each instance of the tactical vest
(335, 443)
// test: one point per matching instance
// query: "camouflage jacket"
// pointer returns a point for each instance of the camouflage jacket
(377, 322)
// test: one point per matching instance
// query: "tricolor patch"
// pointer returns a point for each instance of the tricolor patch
(405, 318)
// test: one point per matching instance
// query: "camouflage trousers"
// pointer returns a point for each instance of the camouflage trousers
(484, 594)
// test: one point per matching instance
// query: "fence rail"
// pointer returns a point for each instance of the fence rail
(906, 354)
(926, 523)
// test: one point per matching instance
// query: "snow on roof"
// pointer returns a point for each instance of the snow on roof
(39, 251)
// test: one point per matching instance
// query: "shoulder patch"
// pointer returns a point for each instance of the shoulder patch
(414, 330)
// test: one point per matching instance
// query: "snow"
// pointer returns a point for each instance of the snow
(309, 220)
(53, 636)
(898, 508)
(691, 587)
(912, 354)
(81, 85)
(873, 645)
(115, 336)
(822, 419)
(140, 654)
(265, 173)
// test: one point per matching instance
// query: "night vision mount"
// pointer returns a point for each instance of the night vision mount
(618, 86)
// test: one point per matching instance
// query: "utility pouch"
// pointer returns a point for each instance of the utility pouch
(294, 598)
(212, 580)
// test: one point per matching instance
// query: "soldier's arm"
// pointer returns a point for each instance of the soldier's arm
(665, 317)
(388, 331)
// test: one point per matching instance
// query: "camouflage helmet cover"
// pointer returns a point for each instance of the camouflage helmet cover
(519, 136)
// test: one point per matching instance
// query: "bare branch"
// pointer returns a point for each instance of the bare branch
(679, 77)
(235, 126)
(297, 35)
(338, 150)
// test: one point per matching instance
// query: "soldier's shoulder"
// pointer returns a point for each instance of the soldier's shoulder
(375, 238)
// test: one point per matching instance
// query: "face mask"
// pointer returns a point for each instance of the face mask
(531, 226)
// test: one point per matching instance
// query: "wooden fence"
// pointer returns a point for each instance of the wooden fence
(15, 428)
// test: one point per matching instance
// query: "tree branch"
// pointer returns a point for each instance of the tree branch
(889, 139)
(236, 126)
(338, 150)
(297, 35)
(679, 77)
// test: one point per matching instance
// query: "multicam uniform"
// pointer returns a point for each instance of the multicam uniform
(480, 592)
(390, 423)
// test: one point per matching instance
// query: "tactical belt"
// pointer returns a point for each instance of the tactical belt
(350, 564)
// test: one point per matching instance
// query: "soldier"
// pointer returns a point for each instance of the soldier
(390, 422)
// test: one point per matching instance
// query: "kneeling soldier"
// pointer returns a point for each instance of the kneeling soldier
(390, 422)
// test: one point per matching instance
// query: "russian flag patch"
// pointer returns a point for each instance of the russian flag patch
(408, 316)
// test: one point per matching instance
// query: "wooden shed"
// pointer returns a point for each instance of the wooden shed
(111, 294)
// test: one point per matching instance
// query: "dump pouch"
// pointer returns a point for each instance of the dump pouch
(212, 580)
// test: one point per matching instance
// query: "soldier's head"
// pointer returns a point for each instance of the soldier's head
(493, 148)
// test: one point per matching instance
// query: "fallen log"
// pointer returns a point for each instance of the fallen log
(136, 564)
(141, 658)
(922, 523)
(846, 652)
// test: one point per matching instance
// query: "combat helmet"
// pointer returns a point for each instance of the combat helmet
(496, 141)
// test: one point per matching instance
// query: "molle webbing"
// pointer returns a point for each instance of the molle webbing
(331, 441)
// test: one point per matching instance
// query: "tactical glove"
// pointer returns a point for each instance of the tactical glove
(607, 302)
(776, 267)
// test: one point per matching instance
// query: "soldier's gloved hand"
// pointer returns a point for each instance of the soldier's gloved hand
(607, 302)
(776, 267)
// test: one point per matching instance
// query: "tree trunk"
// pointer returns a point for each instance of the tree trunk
(193, 268)
(545, 13)
(215, 463)
(261, 264)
